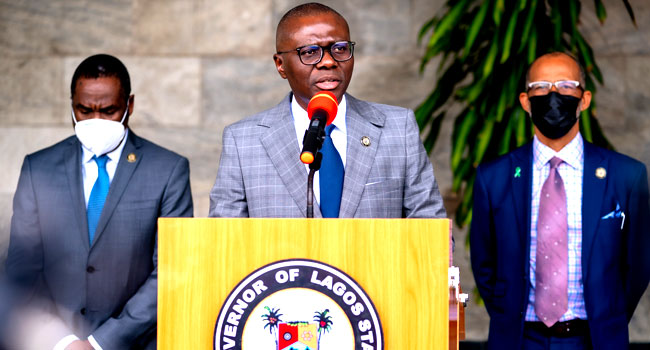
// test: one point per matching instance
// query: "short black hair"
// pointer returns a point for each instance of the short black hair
(583, 76)
(102, 65)
(304, 10)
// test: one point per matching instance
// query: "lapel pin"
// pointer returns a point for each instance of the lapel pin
(131, 158)
(517, 172)
(601, 173)
(365, 141)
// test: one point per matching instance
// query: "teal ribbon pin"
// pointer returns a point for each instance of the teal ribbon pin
(517, 172)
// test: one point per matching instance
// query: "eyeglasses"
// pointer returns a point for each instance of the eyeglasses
(312, 54)
(564, 87)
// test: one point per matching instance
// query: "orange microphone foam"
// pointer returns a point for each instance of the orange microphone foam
(325, 101)
(306, 157)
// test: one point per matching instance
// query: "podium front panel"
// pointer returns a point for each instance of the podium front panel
(400, 263)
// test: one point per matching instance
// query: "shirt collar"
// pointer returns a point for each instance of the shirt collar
(87, 155)
(572, 153)
(299, 113)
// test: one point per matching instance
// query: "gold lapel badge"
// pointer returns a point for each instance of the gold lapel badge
(601, 173)
(131, 158)
(365, 141)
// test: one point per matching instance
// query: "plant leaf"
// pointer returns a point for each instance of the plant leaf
(448, 21)
(497, 12)
(426, 27)
(510, 32)
(532, 46)
(521, 131)
(506, 137)
(488, 64)
(601, 13)
(630, 12)
(527, 25)
(483, 139)
(475, 27)
(556, 21)
(434, 131)
(458, 147)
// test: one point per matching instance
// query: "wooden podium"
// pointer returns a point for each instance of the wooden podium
(401, 264)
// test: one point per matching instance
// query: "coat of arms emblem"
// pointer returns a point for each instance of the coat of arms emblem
(297, 335)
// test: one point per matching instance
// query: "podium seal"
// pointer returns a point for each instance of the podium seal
(298, 304)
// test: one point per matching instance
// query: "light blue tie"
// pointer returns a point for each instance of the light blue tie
(331, 175)
(97, 196)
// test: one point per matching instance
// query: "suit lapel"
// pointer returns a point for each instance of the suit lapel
(520, 173)
(286, 156)
(120, 181)
(593, 192)
(72, 159)
(361, 120)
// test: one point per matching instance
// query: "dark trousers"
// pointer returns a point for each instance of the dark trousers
(535, 340)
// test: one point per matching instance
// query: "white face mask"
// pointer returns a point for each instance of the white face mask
(100, 136)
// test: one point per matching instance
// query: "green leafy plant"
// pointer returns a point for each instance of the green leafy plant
(484, 49)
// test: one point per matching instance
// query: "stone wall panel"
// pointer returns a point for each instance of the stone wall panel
(29, 93)
(234, 88)
(56, 27)
(239, 28)
(163, 27)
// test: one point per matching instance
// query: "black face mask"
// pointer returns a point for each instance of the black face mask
(554, 114)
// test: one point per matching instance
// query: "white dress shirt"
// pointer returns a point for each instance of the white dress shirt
(89, 173)
(339, 134)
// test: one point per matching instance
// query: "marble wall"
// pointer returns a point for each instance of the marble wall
(197, 66)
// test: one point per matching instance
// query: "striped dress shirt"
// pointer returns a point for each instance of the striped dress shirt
(571, 171)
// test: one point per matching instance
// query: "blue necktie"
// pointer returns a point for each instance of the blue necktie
(97, 196)
(331, 177)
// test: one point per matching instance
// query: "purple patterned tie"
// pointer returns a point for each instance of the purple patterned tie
(551, 300)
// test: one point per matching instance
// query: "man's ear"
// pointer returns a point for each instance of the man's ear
(586, 100)
(525, 102)
(279, 65)
(131, 100)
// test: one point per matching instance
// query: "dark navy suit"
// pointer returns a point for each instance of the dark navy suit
(615, 244)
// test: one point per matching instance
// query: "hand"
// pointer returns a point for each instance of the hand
(80, 345)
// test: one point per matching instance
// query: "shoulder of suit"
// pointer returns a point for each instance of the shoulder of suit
(616, 159)
(55, 149)
(497, 164)
(149, 147)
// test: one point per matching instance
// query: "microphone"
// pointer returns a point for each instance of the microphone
(321, 110)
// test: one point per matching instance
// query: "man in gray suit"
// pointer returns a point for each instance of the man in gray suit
(84, 226)
(387, 173)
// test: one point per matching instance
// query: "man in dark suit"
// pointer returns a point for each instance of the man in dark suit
(560, 227)
(83, 242)
(383, 169)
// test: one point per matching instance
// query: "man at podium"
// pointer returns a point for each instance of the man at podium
(374, 164)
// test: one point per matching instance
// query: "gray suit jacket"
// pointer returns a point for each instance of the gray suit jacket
(108, 289)
(260, 173)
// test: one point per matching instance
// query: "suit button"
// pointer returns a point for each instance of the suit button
(90, 269)
(82, 311)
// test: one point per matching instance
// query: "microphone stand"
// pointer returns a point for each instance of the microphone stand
(313, 167)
